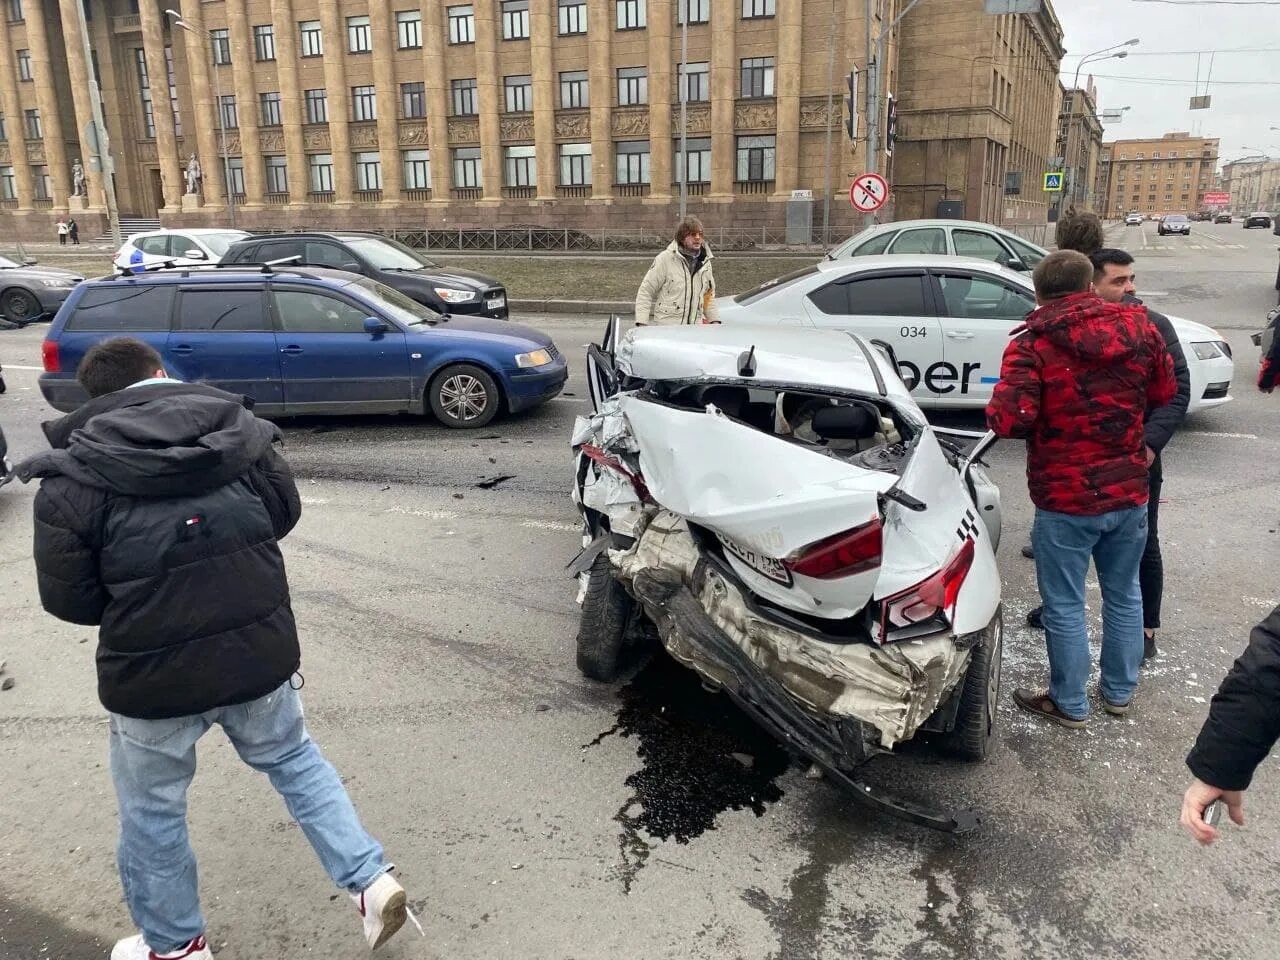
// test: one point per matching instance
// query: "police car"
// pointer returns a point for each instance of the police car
(948, 320)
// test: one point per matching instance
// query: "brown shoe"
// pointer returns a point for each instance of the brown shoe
(1040, 703)
(1115, 709)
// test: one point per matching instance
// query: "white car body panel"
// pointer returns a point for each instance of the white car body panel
(123, 256)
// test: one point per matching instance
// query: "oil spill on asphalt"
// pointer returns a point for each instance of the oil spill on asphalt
(701, 757)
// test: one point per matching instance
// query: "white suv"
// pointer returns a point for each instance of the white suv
(182, 248)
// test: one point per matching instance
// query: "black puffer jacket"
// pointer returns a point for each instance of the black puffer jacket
(157, 519)
(1161, 423)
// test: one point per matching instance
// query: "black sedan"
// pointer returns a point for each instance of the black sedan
(29, 292)
(1257, 220)
(446, 289)
(1222, 218)
(1174, 223)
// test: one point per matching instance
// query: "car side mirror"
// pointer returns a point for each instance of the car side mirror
(194, 254)
(350, 266)
(29, 262)
(375, 326)
(1016, 264)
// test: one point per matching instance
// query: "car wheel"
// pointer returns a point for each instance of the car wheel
(464, 396)
(602, 632)
(19, 306)
(975, 728)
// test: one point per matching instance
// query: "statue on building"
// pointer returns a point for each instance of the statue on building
(78, 188)
(193, 174)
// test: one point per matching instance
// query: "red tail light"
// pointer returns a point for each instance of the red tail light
(49, 354)
(854, 551)
(930, 598)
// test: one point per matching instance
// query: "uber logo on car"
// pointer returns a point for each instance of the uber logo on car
(941, 377)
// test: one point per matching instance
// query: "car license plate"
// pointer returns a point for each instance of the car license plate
(766, 566)
(495, 303)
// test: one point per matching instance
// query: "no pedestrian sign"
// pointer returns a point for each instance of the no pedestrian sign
(868, 192)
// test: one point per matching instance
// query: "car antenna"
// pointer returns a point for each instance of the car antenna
(747, 363)
(266, 267)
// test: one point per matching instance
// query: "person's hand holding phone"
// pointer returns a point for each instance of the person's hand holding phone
(1201, 799)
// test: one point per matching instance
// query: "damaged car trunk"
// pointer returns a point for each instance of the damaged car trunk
(774, 502)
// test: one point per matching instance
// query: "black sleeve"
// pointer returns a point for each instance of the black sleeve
(67, 572)
(273, 482)
(1163, 422)
(1244, 718)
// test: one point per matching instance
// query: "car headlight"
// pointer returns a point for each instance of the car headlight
(537, 358)
(56, 282)
(450, 295)
(1208, 349)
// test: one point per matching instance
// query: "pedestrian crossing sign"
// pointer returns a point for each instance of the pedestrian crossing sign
(1053, 182)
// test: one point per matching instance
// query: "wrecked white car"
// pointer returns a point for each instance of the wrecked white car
(777, 505)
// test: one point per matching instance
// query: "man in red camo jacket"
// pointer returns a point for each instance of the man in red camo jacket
(1076, 383)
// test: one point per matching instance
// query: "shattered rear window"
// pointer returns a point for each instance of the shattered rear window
(769, 286)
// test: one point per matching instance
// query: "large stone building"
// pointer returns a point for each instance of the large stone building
(1169, 174)
(1079, 145)
(500, 112)
(1254, 184)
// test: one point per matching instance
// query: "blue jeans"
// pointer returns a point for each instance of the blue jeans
(1063, 545)
(152, 763)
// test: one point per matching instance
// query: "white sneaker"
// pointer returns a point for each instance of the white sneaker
(382, 905)
(135, 948)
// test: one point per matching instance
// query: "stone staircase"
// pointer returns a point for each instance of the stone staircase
(129, 225)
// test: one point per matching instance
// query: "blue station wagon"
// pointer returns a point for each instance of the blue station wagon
(307, 341)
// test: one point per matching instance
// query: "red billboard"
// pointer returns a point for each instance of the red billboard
(1217, 199)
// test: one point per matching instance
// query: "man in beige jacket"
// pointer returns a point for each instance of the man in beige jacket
(679, 287)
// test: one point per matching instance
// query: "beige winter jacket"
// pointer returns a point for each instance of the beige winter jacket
(670, 294)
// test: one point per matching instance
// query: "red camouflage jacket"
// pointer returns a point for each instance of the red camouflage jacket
(1076, 381)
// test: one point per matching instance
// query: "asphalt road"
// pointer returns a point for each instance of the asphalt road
(438, 651)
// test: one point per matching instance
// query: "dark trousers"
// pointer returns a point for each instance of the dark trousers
(1151, 570)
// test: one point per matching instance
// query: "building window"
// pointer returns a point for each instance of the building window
(464, 97)
(631, 14)
(24, 64)
(227, 106)
(515, 19)
(221, 41)
(320, 169)
(755, 158)
(466, 168)
(144, 91)
(521, 168)
(317, 102)
(43, 182)
(173, 91)
(368, 171)
(8, 184)
(573, 17)
(312, 38)
(698, 167)
(4, 134)
(695, 81)
(32, 124)
(264, 42)
(277, 171)
(413, 100)
(15, 16)
(575, 164)
(757, 8)
(359, 35)
(409, 29)
(757, 77)
(417, 169)
(519, 93)
(235, 171)
(364, 103)
(462, 24)
(633, 86)
(633, 161)
(573, 90)
(697, 11)
(270, 103)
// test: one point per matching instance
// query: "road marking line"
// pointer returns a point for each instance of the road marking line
(451, 515)
(571, 399)
(1212, 433)
(1143, 233)
(15, 366)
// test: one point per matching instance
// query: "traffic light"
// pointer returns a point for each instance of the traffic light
(851, 124)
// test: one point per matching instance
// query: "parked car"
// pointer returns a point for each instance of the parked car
(29, 292)
(966, 238)
(1222, 218)
(1174, 223)
(303, 341)
(948, 320)
(776, 505)
(444, 289)
(1257, 220)
(198, 246)
(1133, 220)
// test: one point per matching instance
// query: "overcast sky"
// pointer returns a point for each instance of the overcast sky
(1241, 114)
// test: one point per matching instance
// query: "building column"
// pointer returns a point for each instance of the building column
(208, 144)
(724, 94)
(339, 97)
(286, 31)
(161, 111)
(55, 147)
(600, 92)
(542, 18)
(437, 89)
(384, 79)
(15, 123)
(247, 108)
(661, 15)
(78, 71)
(489, 91)
(787, 86)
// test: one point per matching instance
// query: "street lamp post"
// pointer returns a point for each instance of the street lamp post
(222, 123)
